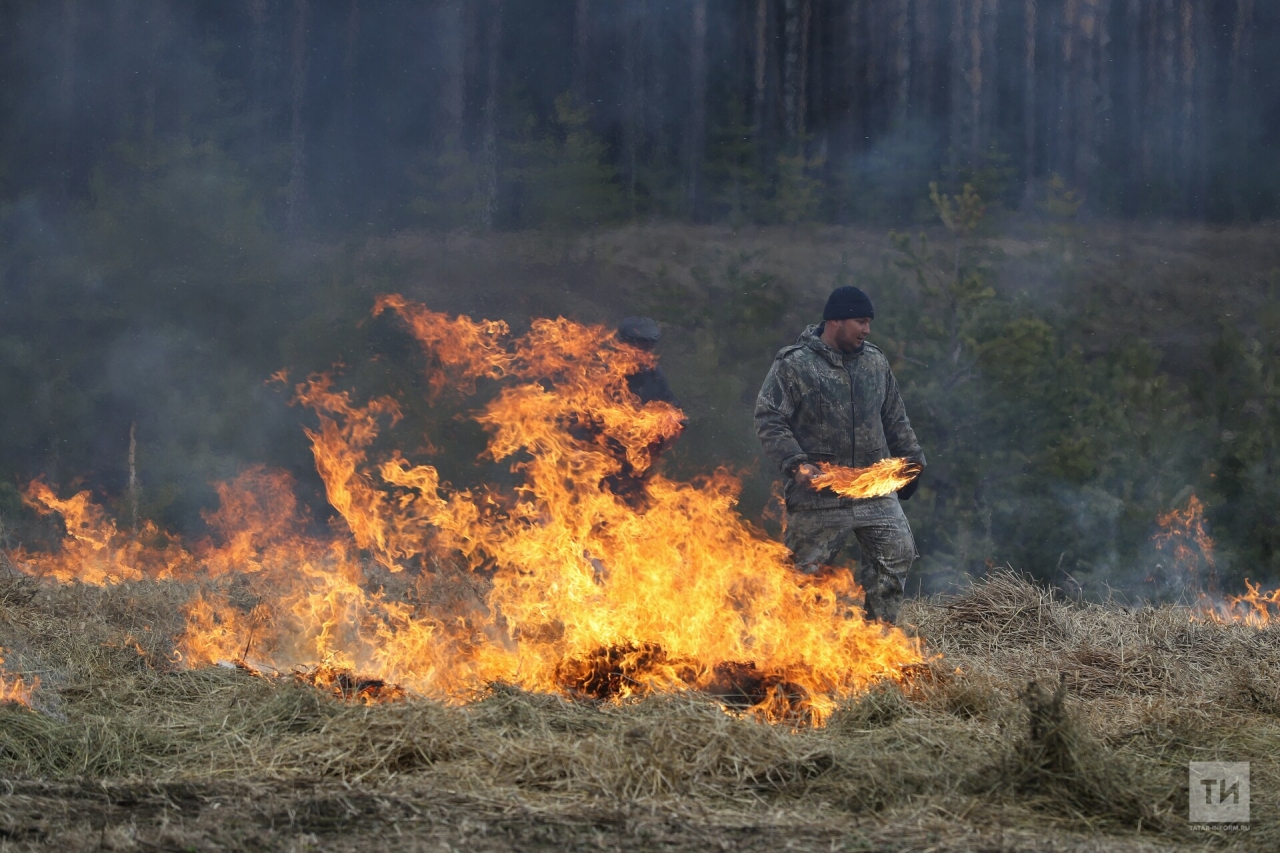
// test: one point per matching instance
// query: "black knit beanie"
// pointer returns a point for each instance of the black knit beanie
(845, 302)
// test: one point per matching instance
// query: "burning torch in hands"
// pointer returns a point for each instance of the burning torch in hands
(885, 476)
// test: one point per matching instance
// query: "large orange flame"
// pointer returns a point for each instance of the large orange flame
(883, 478)
(593, 575)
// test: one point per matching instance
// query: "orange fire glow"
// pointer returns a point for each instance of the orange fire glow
(1255, 607)
(94, 550)
(594, 575)
(15, 689)
(1184, 537)
(882, 478)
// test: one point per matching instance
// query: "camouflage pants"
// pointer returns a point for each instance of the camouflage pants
(816, 537)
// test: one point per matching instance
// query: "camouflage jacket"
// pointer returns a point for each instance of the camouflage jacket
(820, 405)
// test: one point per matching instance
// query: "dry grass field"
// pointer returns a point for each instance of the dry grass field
(1039, 724)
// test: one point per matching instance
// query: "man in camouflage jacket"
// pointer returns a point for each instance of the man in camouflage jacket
(831, 397)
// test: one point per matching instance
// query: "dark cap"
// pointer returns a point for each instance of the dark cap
(846, 302)
(640, 331)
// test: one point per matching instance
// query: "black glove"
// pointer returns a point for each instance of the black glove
(905, 493)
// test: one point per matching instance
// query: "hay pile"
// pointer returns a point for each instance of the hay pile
(1044, 725)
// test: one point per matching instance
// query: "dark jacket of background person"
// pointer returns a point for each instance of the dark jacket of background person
(820, 405)
(650, 383)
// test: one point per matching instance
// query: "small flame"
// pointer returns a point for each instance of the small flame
(1255, 608)
(882, 478)
(15, 690)
(1184, 537)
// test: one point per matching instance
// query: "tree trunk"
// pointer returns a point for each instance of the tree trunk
(349, 67)
(257, 69)
(1241, 45)
(1187, 113)
(1168, 93)
(1085, 105)
(987, 70)
(581, 49)
(901, 41)
(1106, 114)
(697, 140)
(791, 72)
(802, 100)
(981, 45)
(761, 59)
(134, 488)
(157, 36)
(1151, 91)
(1240, 82)
(657, 66)
(923, 77)
(818, 109)
(67, 36)
(1066, 95)
(1134, 130)
(453, 69)
(1029, 95)
(959, 88)
(489, 141)
(296, 193)
(1198, 111)
(633, 96)
(122, 27)
(855, 76)
(875, 54)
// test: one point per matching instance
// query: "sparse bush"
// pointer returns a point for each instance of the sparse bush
(562, 176)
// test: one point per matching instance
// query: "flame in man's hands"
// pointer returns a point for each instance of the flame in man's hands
(882, 478)
(594, 576)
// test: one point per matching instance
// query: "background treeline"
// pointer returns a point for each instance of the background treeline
(194, 195)
(519, 113)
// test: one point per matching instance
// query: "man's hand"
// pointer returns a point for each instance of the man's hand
(805, 474)
(905, 493)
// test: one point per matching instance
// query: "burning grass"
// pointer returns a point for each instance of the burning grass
(1045, 725)
(586, 572)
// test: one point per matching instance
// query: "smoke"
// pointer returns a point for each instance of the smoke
(513, 158)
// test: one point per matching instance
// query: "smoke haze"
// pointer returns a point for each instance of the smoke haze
(195, 195)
